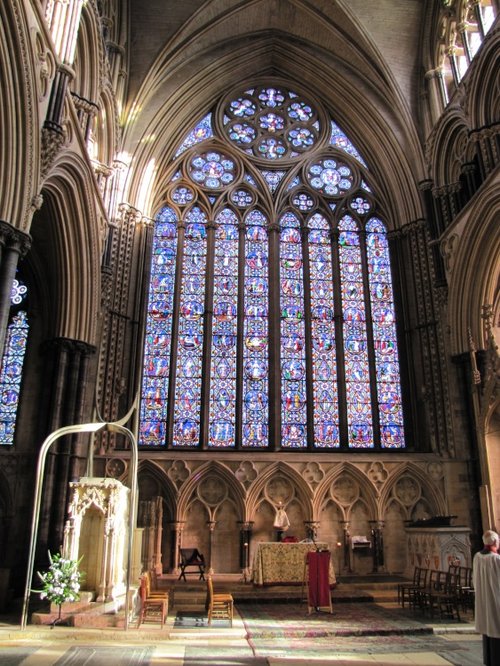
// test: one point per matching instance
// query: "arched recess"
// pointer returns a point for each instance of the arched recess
(344, 485)
(408, 495)
(88, 62)
(449, 149)
(156, 517)
(67, 242)
(483, 99)
(416, 489)
(106, 127)
(278, 486)
(475, 274)
(165, 111)
(210, 507)
(346, 506)
(19, 123)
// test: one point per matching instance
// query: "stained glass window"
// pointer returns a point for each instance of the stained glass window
(224, 333)
(255, 405)
(293, 359)
(384, 336)
(357, 382)
(188, 368)
(12, 364)
(271, 320)
(159, 330)
(323, 352)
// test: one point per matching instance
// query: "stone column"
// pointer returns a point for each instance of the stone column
(245, 539)
(13, 244)
(211, 526)
(67, 370)
(452, 57)
(377, 534)
(476, 6)
(346, 545)
(177, 527)
(438, 97)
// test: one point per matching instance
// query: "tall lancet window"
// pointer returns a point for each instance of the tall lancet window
(11, 368)
(271, 321)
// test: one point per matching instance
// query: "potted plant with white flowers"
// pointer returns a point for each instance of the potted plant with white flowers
(61, 582)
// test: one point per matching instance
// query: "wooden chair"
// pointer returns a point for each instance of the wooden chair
(449, 602)
(152, 586)
(219, 605)
(191, 558)
(153, 607)
(421, 595)
(444, 597)
(408, 589)
(466, 589)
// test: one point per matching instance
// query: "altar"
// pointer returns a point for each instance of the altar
(279, 563)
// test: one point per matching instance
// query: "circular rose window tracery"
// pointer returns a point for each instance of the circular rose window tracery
(271, 123)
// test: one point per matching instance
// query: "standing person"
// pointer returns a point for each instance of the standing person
(486, 580)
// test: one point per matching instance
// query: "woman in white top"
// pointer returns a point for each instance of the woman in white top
(486, 579)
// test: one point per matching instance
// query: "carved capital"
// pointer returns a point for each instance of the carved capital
(13, 239)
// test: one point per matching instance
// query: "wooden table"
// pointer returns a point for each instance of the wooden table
(277, 563)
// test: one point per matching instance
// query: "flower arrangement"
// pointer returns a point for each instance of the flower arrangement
(61, 583)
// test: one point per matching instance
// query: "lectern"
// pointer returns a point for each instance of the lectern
(317, 566)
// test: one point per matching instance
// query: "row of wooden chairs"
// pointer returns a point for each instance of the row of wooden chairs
(154, 603)
(439, 592)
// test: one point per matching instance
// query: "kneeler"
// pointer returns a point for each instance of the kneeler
(319, 593)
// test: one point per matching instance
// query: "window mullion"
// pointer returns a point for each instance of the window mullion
(369, 338)
(207, 338)
(240, 336)
(274, 339)
(339, 341)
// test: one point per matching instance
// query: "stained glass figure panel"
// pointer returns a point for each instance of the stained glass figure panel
(187, 396)
(384, 335)
(293, 360)
(323, 352)
(222, 409)
(157, 347)
(11, 370)
(255, 407)
(357, 378)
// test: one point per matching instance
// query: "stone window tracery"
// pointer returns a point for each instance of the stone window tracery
(271, 319)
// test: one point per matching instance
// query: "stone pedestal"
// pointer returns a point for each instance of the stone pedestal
(437, 547)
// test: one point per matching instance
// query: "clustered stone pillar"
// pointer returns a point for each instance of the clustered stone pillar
(67, 365)
(13, 245)
(245, 539)
(151, 519)
(377, 534)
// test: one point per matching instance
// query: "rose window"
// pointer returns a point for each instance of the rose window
(270, 123)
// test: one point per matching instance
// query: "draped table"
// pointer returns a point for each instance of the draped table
(278, 563)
